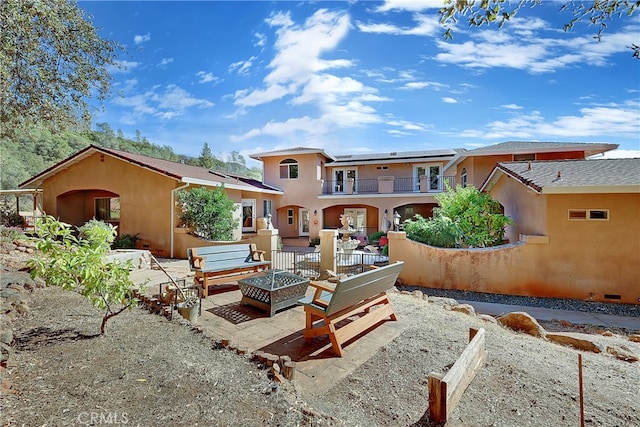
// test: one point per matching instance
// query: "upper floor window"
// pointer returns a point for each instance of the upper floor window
(463, 177)
(524, 157)
(288, 169)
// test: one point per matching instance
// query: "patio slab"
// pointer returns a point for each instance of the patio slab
(318, 369)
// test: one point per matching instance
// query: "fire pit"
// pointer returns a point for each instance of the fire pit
(273, 290)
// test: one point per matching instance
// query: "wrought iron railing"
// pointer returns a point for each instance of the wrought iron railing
(307, 264)
(400, 185)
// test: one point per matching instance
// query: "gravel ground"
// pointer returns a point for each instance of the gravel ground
(555, 303)
(149, 371)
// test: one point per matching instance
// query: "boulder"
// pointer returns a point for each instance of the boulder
(487, 318)
(576, 340)
(523, 322)
(622, 353)
(445, 302)
(464, 308)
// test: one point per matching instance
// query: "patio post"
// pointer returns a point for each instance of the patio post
(328, 248)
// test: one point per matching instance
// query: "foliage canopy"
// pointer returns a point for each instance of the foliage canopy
(51, 60)
(465, 217)
(78, 264)
(487, 12)
(209, 212)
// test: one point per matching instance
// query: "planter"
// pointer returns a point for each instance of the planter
(189, 310)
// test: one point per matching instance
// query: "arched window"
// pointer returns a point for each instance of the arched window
(463, 177)
(288, 169)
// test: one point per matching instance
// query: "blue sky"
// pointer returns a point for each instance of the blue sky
(363, 76)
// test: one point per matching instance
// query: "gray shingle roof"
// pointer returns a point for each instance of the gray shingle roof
(586, 176)
(174, 170)
(522, 147)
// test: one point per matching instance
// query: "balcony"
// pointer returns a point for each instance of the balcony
(388, 185)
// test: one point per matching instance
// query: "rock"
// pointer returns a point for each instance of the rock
(634, 338)
(14, 278)
(521, 321)
(575, 340)
(607, 334)
(464, 308)
(487, 318)
(6, 335)
(5, 351)
(445, 302)
(622, 353)
(418, 294)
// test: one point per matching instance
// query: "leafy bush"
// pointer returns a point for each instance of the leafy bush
(12, 219)
(376, 236)
(125, 241)
(465, 217)
(78, 264)
(438, 231)
(209, 212)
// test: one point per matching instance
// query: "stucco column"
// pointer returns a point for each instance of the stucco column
(396, 240)
(328, 248)
(424, 183)
(267, 241)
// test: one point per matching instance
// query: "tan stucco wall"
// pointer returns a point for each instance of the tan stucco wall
(144, 196)
(573, 261)
(527, 209)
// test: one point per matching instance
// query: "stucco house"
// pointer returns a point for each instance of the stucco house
(319, 187)
(138, 194)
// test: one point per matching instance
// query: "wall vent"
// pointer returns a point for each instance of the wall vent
(612, 296)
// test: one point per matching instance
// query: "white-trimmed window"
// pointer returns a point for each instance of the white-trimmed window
(289, 169)
(290, 216)
(463, 178)
(589, 214)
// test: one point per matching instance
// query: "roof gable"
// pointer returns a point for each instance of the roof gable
(178, 171)
(573, 176)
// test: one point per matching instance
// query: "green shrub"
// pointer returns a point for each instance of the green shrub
(209, 212)
(464, 217)
(125, 241)
(79, 264)
(376, 236)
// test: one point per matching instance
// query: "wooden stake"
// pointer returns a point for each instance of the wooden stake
(581, 392)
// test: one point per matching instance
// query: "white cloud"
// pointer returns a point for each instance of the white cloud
(165, 61)
(206, 77)
(122, 67)
(619, 154)
(410, 5)
(137, 39)
(171, 102)
(530, 44)
(511, 107)
(242, 67)
(302, 72)
(611, 121)
(262, 39)
(423, 85)
(425, 26)
(449, 100)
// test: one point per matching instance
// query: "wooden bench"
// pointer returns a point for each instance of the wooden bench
(355, 295)
(214, 261)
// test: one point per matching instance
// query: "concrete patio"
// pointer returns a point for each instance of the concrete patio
(318, 369)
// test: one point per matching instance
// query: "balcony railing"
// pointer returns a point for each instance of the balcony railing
(389, 184)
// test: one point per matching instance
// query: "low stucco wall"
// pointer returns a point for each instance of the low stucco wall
(265, 240)
(521, 268)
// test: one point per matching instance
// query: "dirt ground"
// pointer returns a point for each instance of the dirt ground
(150, 371)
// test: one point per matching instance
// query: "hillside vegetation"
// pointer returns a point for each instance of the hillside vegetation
(31, 152)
